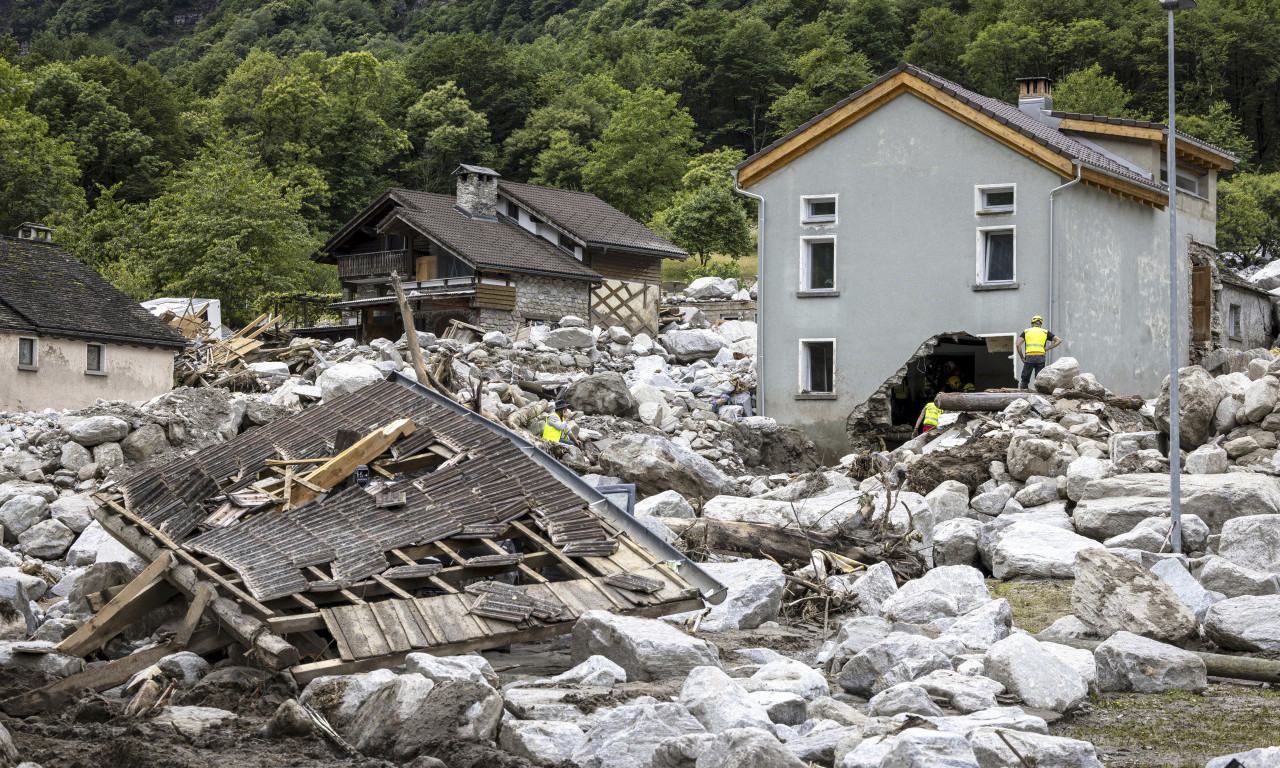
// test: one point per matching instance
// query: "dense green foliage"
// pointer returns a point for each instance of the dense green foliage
(213, 157)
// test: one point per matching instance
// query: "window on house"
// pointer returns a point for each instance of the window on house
(995, 255)
(817, 366)
(819, 265)
(513, 210)
(819, 209)
(1187, 182)
(1233, 321)
(996, 199)
(395, 242)
(94, 358)
(27, 354)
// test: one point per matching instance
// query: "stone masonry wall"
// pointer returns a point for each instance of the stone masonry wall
(549, 298)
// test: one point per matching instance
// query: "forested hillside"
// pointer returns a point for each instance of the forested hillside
(188, 147)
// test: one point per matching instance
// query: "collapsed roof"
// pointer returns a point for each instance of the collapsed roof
(466, 537)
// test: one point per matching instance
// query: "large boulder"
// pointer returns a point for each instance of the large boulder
(899, 658)
(455, 710)
(995, 748)
(695, 344)
(1029, 671)
(1249, 623)
(95, 545)
(1127, 662)
(1037, 550)
(1262, 757)
(1252, 542)
(788, 676)
(1058, 374)
(339, 697)
(47, 540)
(1152, 534)
(665, 504)
(1190, 591)
(96, 430)
(1030, 455)
(541, 742)
(822, 513)
(920, 748)
(656, 464)
(647, 649)
(983, 626)
(955, 542)
(1208, 459)
(627, 736)
(747, 748)
(342, 378)
(1219, 574)
(1260, 399)
(1198, 398)
(754, 596)
(75, 512)
(712, 288)
(571, 337)
(1112, 594)
(20, 513)
(1085, 470)
(146, 441)
(719, 703)
(602, 394)
(1114, 505)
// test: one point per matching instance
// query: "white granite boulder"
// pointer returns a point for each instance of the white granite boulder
(1127, 662)
(1111, 594)
(96, 430)
(1252, 542)
(1249, 623)
(647, 649)
(719, 703)
(1035, 675)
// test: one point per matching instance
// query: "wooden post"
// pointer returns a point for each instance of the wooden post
(410, 331)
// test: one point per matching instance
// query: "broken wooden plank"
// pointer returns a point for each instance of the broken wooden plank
(142, 595)
(340, 467)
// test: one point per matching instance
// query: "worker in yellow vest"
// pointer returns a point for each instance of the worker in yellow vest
(556, 427)
(1033, 343)
(928, 417)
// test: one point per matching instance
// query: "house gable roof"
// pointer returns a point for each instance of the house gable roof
(1038, 141)
(1189, 148)
(590, 219)
(484, 243)
(47, 291)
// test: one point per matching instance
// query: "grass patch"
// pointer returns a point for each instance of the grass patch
(1178, 729)
(677, 271)
(1036, 603)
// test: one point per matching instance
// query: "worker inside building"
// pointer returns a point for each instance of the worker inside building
(959, 363)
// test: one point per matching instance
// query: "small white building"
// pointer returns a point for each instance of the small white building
(68, 337)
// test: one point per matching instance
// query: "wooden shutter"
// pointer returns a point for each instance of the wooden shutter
(1201, 294)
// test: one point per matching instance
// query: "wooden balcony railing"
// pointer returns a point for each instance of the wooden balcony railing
(375, 264)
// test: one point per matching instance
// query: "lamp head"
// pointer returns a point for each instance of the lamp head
(1177, 5)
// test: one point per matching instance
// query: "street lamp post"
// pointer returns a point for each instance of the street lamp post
(1171, 175)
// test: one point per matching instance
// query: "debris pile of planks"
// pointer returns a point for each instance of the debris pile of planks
(386, 521)
(211, 361)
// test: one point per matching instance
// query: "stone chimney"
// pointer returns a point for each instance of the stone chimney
(30, 231)
(1035, 94)
(477, 191)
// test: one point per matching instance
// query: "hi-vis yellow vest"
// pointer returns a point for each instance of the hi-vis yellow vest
(931, 414)
(550, 433)
(1034, 339)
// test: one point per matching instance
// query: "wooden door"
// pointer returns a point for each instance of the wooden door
(1201, 299)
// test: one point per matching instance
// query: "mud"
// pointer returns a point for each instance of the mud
(970, 464)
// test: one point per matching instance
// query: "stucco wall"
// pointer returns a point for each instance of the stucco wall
(907, 255)
(1255, 318)
(133, 373)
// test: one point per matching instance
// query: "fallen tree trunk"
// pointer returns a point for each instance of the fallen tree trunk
(979, 401)
(756, 539)
(1217, 664)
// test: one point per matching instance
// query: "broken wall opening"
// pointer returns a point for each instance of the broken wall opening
(946, 362)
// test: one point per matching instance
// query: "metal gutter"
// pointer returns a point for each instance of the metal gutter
(1079, 170)
(760, 356)
(712, 591)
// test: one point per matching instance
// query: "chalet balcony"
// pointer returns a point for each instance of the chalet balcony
(357, 267)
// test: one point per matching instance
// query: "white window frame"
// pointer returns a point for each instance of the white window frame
(805, 261)
(35, 354)
(980, 191)
(982, 254)
(806, 218)
(101, 370)
(1235, 322)
(1200, 181)
(803, 352)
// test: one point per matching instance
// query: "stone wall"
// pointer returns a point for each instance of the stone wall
(549, 298)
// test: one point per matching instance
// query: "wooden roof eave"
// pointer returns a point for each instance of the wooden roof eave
(904, 82)
(1186, 150)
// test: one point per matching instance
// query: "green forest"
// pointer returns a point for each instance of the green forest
(188, 148)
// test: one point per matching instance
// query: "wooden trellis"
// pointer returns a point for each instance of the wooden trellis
(633, 306)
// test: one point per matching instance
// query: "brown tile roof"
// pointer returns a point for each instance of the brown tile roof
(1006, 113)
(1145, 124)
(497, 244)
(45, 290)
(590, 219)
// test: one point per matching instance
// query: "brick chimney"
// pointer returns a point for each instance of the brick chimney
(1035, 94)
(477, 191)
(30, 231)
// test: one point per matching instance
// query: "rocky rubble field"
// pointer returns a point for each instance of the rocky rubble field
(926, 672)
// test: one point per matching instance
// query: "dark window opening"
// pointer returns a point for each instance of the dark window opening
(93, 358)
(997, 262)
(821, 209)
(27, 352)
(819, 366)
(822, 266)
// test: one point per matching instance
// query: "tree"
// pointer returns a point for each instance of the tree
(38, 172)
(1249, 216)
(706, 220)
(445, 131)
(938, 41)
(638, 161)
(1089, 91)
(227, 228)
(826, 75)
(1221, 128)
(1001, 53)
(561, 163)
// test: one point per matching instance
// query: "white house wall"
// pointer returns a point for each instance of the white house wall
(132, 373)
(906, 255)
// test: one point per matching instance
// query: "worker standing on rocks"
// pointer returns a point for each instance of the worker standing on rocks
(1033, 343)
(928, 417)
